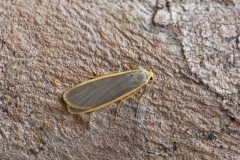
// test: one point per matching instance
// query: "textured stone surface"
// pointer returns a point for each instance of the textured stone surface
(191, 110)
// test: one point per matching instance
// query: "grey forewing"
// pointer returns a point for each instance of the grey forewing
(104, 90)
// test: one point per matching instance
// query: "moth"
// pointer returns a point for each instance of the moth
(102, 91)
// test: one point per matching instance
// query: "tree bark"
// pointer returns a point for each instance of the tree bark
(190, 110)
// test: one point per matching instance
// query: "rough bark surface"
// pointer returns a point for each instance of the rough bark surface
(191, 111)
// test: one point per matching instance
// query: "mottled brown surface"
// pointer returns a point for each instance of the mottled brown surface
(191, 110)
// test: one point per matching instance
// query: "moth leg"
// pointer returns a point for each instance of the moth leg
(121, 102)
(126, 98)
(91, 77)
(136, 109)
(145, 88)
(88, 76)
(94, 74)
(112, 72)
